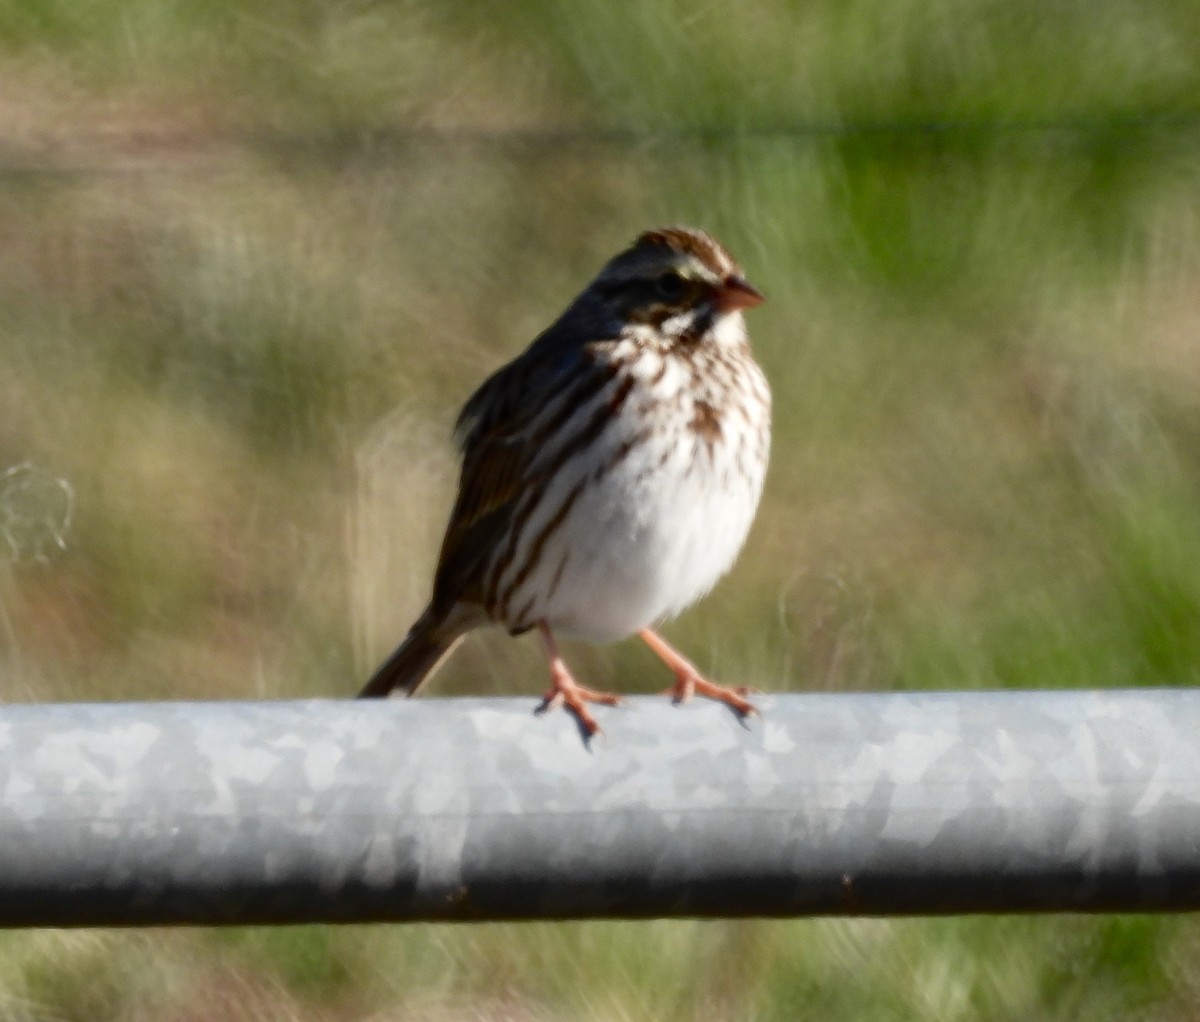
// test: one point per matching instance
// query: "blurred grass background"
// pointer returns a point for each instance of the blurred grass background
(252, 260)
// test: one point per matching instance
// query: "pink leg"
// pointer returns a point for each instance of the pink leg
(689, 681)
(566, 691)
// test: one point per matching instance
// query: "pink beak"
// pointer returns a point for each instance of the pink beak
(738, 293)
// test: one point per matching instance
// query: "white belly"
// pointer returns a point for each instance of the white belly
(651, 534)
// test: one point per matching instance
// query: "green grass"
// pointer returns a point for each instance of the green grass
(953, 969)
(253, 258)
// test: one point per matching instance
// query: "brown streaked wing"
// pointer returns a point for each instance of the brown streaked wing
(498, 448)
(493, 467)
(478, 524)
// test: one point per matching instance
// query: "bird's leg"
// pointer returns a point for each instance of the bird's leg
(566, 691)
(689, 681)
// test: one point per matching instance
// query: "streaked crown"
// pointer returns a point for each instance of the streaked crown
(675, 274)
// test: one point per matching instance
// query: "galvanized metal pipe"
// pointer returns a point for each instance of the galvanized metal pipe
(888, 804)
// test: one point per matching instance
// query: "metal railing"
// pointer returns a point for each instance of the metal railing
(884, 804)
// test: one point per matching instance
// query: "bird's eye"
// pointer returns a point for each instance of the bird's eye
(670, 286)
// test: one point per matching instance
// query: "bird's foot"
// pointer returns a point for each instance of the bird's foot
(565, 691)
(689, 683)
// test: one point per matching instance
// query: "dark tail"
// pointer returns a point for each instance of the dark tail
(413, 660)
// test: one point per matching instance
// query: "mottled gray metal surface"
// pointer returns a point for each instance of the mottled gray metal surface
(885, 804)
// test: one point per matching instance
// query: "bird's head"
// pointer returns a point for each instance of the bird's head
(676, 281)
